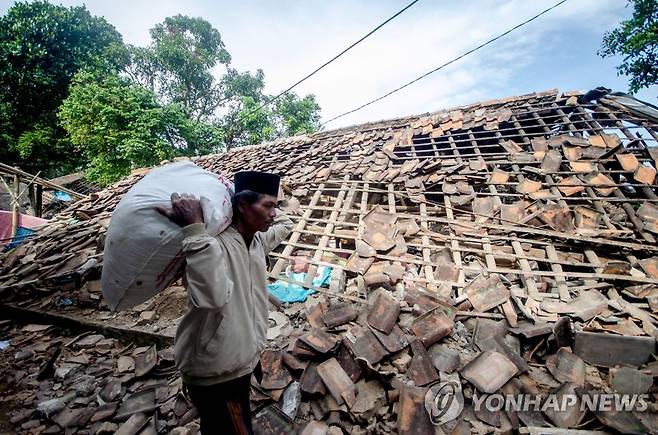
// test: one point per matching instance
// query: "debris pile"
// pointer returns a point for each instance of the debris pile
(370, 367)
(339, 366)
(503, 247)
(89, 384)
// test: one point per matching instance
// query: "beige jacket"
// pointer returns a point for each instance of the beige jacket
(224, 330)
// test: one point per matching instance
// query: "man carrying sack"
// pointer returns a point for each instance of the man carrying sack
(220, 338)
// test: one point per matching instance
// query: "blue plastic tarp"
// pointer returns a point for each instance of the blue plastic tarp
(22, 233)
(62, 196)
(289, 292)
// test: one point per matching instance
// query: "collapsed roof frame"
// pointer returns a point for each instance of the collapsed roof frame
(405, 165)
(440, 170)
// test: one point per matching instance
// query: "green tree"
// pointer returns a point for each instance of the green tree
(118, 125)
(178, 64)
(126, 106)
(236, 85)
(244, 125)
(636, 40)
(248, 123)
(242, 93)
(295, 116)
(42, 46)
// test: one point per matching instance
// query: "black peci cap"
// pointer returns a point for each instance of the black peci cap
(260, 182)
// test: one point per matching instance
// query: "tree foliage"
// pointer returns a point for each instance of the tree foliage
(249, 123)
(293, 115)
(236, 85)
(178, 64)
(118, 125)
(248, 120)
(636, 40)
(73, 96)
(42, 46)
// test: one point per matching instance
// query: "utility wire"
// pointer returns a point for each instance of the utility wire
(447, 63)
(332, 59)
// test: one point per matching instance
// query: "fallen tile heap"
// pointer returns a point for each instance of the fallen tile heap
(88, 384)
(507, 246)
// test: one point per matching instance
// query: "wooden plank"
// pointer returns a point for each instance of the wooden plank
(80, 323)
(427, 269)
(281, 264)
(324, 240)
(38, 201)
(454, 244)
(454, 247)
(391, 198)
(513, 184)
(488, 253)
(532, 430)
(469, 250)
(531, 285)
(351, 195)
(597, 276)
(546, 233)
(561, 283)
(594, 260)
(363, 208)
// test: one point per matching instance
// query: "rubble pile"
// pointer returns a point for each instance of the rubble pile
(337, 366)
(88, 384)
(68, 248)
(367, 367)
(76, 235)
(507, 247)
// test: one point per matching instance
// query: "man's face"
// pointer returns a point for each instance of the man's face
(259, 215)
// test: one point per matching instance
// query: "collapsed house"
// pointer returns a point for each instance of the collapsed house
(507, 246)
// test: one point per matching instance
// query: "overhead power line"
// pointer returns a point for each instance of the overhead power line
(332, 59)
(447, 63)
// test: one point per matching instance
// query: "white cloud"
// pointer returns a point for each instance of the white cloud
(423, 38)
(289, 38)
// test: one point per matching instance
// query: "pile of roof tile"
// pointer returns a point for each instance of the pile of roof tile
(88, 384)
(367, 367)
(337, 366)
(507, 246)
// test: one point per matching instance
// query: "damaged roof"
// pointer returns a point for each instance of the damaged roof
(460, 243)
(541, 186)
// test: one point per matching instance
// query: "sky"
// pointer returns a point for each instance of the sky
(287, 39)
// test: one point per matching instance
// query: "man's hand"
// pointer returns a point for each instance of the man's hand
(185, 210)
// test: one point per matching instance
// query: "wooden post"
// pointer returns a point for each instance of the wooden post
(15, 206)
(38, 201)
(31, 194)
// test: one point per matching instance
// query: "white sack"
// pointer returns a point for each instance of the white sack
(142, 253)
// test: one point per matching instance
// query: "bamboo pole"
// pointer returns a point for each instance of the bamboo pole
(15, 206)
(45, 183)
